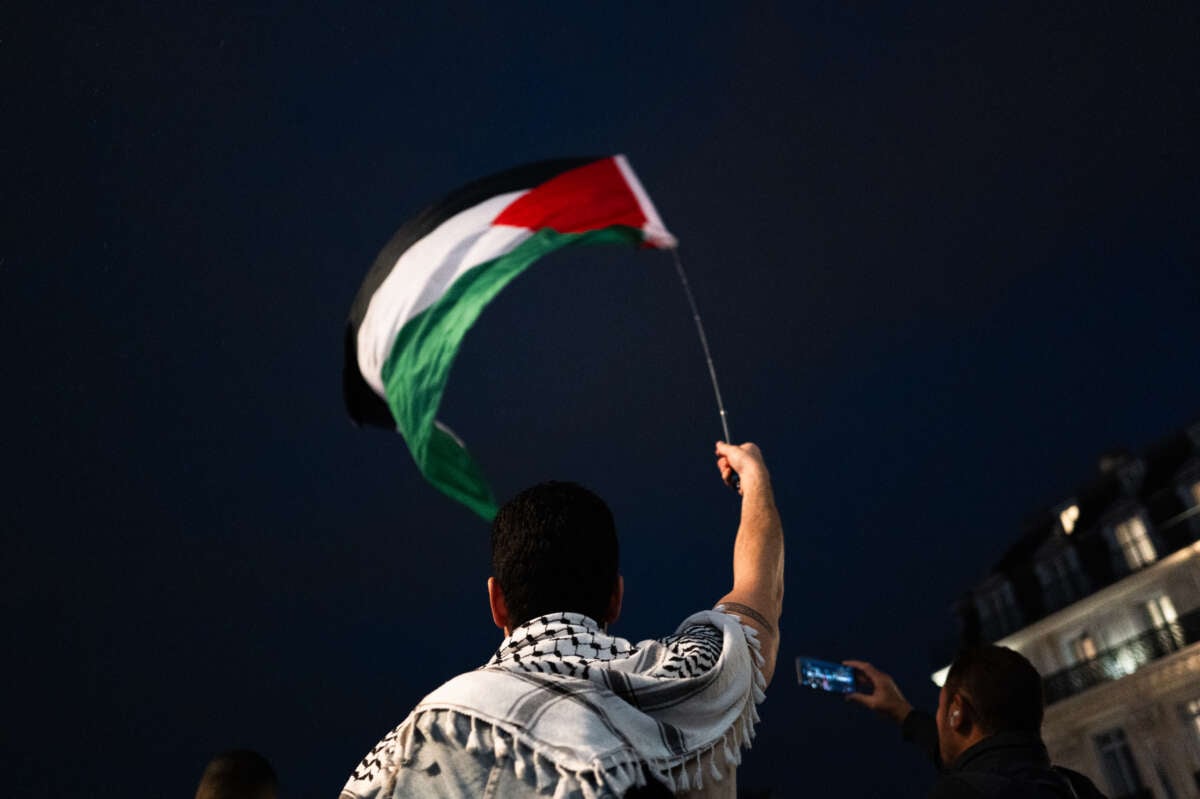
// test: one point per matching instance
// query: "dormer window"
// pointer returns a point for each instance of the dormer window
(998, 611)
(1193, 433)
(1067, 518)
(1131, 474)
(1133, 539)
(1061, 576)
(1187, 484)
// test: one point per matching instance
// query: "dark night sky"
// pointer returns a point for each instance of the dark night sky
(946, 256)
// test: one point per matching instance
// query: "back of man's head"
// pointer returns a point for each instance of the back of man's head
(554, 548)
(239, 774)
(1002, 688)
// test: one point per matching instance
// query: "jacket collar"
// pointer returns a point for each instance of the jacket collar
(1002, 751)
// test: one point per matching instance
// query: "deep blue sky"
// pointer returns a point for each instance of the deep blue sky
(945, 257)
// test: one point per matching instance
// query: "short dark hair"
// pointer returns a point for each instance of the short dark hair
(238, 774)
(1001, 688)
(554, 549)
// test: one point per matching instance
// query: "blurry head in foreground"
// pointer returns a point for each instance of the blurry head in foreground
(554, 549)
(239, 774)
(988, 690)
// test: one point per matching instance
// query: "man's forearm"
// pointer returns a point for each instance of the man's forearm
(758, 548)
(757, 594)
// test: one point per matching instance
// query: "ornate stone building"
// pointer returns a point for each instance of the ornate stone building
(1102, 593)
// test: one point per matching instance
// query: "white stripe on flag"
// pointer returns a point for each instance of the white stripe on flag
(654, 230)
(425, 271)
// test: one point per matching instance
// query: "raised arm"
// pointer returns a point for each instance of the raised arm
(757, 595)
(888, 701)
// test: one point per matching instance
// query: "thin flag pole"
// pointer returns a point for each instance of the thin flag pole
(712, 370)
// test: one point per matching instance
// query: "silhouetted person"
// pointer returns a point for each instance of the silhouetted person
(986, 736)
(565, 709)
(239, 774)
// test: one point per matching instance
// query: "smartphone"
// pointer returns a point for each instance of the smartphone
(830, 678)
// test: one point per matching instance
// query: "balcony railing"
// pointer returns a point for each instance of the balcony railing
(1124, 658)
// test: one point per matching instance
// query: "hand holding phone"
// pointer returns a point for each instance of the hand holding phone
(885, 697)
(831, 678)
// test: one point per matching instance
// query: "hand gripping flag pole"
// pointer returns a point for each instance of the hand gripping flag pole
(734, 482)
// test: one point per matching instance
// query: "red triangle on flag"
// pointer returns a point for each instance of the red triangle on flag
(586, 198)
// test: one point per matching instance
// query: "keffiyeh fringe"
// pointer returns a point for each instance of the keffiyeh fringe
(614, 775)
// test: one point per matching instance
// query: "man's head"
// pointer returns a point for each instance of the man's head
(240, 774)
(988, 690)
(554, 548)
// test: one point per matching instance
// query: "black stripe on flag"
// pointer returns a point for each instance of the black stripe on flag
(362, 403)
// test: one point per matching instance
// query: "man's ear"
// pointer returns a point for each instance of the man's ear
(958, 716)
(614, 602)
(499, 608)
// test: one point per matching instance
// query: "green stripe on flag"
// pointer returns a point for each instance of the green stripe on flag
(418, 367)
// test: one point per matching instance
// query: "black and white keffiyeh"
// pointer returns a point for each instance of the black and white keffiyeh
(587, 711)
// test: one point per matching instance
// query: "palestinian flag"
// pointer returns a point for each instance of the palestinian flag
(438, 272)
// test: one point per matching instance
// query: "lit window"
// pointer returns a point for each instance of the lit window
(1161, 611)
(1189, 712)
(1068, 517)
(1134, 541)
(1120, 769)
(1084, 647)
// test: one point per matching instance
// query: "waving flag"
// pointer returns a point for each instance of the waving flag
(438, 272)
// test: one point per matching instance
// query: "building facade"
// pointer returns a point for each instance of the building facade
(1102, 593)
